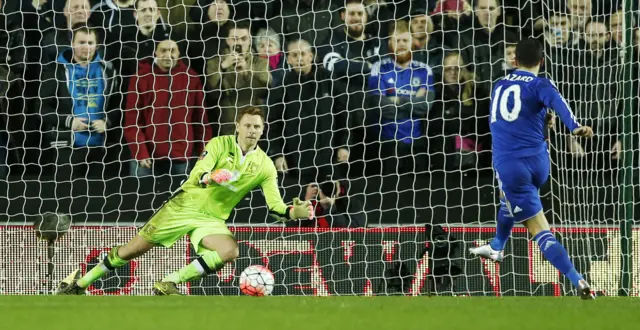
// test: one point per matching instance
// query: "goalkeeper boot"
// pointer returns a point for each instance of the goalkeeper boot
(485, 251)
(585, 291)
(69, 285)
(166, 289)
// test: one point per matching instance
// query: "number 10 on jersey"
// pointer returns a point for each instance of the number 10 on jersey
(508, 112)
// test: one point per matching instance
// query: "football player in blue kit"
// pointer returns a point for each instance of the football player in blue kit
(519, 104)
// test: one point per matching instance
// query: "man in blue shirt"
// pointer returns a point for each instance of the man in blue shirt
(519, 104)
(401, 92)
(75, 102)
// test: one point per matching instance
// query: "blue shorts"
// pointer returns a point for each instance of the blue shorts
(519, 181)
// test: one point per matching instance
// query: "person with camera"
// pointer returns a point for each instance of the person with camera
(237, 78)
(333, 206)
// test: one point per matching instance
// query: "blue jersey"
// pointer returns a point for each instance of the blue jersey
(518, 107)
(390, 80)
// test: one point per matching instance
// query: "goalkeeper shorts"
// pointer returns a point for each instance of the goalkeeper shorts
(171, 222)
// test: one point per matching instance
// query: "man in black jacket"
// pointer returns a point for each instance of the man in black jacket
(131, 43)
(307, 129)
(55, 40)
(483, 43)
(75, 106)
(348, 55)
(350, 52)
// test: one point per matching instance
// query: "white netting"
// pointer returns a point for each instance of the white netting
(103, 123)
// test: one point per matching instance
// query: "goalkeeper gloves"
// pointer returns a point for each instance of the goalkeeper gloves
(218, 176)
(301, 209)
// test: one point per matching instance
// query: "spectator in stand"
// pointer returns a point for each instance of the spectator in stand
(451, 17)
(616, 23)
(117, 19)
(54, 41)
(129, 41)
(237, 77)
(427, 45)
(484, 43)
(33, 19)
(333, 207)
(138, 42)
(128, 44)
(558, 32)
(421, 26)
(452, 8)
(113, 16)
(580, 13)
(597, 94)
(509, 63)
(307, 129)
(76, 105)
(380, 14)
(204, 42)
(76, 12)
(459, 123)
(402, 92)
(268, 46)
(307, 19)
(33, 10)
(36, 21)
(165, 122)
(350, 52)
(561, 45)
(348, 55)
(12, 47)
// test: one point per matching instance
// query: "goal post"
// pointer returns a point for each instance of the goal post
(626, 211)
(403, 215)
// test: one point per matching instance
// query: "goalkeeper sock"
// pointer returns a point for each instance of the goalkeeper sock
(110, 262)
(557, 255)
(208, 263)
(503, 231)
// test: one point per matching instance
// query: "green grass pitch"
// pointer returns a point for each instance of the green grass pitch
(310, 313)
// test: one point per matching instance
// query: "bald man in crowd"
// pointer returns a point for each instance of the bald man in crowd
(165, 123)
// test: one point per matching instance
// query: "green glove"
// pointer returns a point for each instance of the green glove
(301, 209)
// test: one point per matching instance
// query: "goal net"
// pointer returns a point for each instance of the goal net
(376, 111)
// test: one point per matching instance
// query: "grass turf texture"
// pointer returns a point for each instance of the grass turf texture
(310, 313)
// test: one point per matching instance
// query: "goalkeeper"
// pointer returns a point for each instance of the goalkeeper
(225, 172)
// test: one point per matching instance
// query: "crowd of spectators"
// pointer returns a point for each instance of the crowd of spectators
(101, 88)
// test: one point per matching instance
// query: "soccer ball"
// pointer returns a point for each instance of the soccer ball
(256, 280)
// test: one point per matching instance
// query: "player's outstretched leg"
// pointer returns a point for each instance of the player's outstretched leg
(214, 250)
(117, 257)
(556, 254)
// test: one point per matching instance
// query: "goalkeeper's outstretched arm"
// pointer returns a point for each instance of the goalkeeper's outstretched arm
(277, 208)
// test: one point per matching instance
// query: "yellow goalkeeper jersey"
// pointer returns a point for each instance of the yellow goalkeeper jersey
(249, 171)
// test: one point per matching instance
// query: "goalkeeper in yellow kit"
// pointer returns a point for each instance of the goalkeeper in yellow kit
(225, 172)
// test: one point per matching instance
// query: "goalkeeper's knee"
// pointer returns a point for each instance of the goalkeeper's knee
(212, 261)
(113, 260)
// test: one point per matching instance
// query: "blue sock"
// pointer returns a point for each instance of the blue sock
(557, 255)
(503, 231)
